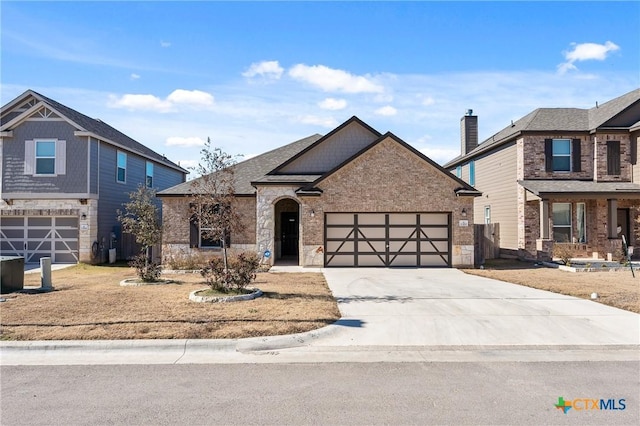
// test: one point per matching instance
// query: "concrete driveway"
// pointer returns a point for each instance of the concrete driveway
(434, 307)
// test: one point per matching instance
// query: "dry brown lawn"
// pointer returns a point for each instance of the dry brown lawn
(615, 288)
(88, 303)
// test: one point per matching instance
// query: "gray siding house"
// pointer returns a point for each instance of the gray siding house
(64, 176)
(566, 176)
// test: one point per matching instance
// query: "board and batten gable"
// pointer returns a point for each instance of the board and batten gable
(327, 155)
(14, 178)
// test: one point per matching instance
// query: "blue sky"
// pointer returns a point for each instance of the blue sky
(254, 76)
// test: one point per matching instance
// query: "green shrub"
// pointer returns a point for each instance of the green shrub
(241, 271)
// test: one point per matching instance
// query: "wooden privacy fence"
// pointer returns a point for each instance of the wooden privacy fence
(487, 242)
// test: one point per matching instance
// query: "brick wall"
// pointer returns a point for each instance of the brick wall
(532, 164)
(601, 158)
(387, 178)
(176, 213)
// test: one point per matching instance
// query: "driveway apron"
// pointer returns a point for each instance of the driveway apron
(434, 307)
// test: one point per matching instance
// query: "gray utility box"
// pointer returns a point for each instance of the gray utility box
(11, 274)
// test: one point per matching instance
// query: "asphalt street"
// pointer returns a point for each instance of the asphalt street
(521, 393)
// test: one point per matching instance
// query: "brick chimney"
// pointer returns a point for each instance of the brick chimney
(468, 132)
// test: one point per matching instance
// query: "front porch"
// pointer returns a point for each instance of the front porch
(582, 228)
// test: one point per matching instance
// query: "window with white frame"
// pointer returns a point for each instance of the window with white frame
(561, 155)
(459, 171)
(121, 172)
(562, 222)
(581, 222)
(45, 157)
(149, 179)
(487, 215)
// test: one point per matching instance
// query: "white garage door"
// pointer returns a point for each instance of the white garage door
(34, 237)
(388, 239)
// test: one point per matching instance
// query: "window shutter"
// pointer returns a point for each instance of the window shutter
(29, 157)
(61, 157)
(634, 151)
(548, 155)
(613, 157)
(576, 155)
(194, 234)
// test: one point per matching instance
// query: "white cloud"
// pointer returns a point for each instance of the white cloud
(318, 121)
(165, 44)
(333, 80)
(182, 141)
(386, 111)
(140, 102)
(134, 76)
(333, 104)
(427, 101)
(192, 98)
(440, 155)
(267, 69)
(586, 52)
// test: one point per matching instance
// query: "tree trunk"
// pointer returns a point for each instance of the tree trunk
(224, 256)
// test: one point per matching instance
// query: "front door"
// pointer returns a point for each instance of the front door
(623, 224)
(289, 236)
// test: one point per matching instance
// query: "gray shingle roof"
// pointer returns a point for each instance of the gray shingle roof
(538, 187)
(555, 120)
(254, 169)
(103, 130)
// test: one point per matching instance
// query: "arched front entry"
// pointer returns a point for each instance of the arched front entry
(287, 231)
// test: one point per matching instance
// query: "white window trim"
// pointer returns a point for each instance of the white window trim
(570, 155)
(584, 209)
(570, 225)
(487, 217)
(118, 152)
(59, 157)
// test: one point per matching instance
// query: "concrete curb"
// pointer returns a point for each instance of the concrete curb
(248, 344)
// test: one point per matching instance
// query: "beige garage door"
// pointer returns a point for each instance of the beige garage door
(388, 239)
(34, 237)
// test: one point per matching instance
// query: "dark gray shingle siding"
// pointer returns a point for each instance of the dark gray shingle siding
(73, 181)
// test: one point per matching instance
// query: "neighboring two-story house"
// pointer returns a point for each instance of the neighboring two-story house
(558, 176)
(64, 176)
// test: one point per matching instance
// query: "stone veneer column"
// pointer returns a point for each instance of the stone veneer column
(266, 198)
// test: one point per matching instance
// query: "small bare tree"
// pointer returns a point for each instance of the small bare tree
(213, 197)
(142, 219)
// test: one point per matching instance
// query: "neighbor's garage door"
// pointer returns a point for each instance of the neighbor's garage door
(387, 239)
(38, 236)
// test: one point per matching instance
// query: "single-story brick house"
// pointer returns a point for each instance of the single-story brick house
(353, 197)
